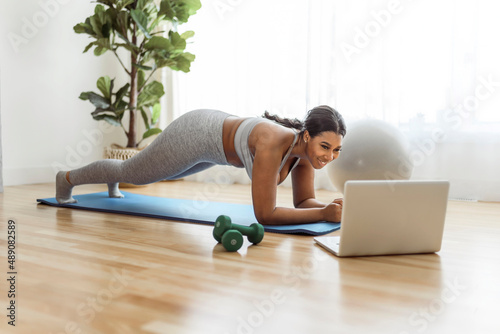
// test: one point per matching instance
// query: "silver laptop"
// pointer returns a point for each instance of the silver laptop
(390, 217)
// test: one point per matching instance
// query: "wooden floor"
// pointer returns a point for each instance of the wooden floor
(89, 272)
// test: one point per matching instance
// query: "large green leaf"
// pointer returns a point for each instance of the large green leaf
(104, 85)
(185, 8)
(99, 50)
(165, 63)
(150, 94)
(83, 28)
(100, 111)
(187, 34)
(155, 113)
(96, 25)
(98, 101)
(87, 48)
(151, 132)
(157, 42)
(99, 9)
(102, 15)
(122, 92)
(84, 96)
(110, 119)
(189, 56)
(145, 119)
(178, 43)
(142, 67)
(166, 10)
(140, 79)
(193, 6)
(141, 20)
(183, 62)
(120, 109)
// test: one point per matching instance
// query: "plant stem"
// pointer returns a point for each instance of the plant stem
(146, 81)
(116, 54)
(133, 94)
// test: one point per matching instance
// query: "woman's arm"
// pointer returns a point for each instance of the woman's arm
(303, 193)
(264, 190)
(303, 188)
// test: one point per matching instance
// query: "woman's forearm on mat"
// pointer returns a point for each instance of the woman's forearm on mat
(310, 203)
(285, 216)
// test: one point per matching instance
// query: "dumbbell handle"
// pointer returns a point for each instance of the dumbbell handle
(245, 230)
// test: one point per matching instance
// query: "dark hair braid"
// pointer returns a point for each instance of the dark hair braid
(286, 122)
(319, 119)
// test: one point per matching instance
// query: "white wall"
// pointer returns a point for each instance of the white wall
(43, 71)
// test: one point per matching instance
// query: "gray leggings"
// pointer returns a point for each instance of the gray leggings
(190, 144)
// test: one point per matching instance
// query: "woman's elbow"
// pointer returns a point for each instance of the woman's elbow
(301, 202)
(297, 205)
(265, 218)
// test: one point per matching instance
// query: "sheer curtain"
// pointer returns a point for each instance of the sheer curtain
(428, 67)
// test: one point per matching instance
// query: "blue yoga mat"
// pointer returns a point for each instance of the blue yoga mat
(204, 212)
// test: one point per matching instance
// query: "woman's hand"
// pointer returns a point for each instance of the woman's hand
(333, 211)
(339, 201)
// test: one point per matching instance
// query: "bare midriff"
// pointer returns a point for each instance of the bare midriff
(230, 126)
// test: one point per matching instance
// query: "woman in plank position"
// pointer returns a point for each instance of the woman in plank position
(269, 148)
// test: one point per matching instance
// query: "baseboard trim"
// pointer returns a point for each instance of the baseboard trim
(28, 175)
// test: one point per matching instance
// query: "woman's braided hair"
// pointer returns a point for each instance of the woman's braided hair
(319, 119)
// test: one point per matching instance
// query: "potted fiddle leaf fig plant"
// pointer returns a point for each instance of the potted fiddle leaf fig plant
(134, 31)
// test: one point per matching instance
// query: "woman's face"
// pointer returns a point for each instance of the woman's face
(323, 148)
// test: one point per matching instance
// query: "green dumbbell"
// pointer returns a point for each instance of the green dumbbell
(222, 224)
(232, 240)
(254, 232)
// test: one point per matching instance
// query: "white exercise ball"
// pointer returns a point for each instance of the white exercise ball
(371, 150)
